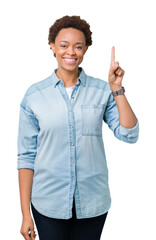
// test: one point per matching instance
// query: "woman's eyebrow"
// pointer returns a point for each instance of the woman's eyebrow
(75, 43)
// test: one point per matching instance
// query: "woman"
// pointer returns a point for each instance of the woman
(61, 158)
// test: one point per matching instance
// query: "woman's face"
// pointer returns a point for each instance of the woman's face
(69, 47)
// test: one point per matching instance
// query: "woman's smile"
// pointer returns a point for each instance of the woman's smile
(70, 60)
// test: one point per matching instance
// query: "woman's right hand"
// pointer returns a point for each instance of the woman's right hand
(28, 226)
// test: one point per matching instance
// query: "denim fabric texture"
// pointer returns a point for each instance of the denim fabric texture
(61, 139)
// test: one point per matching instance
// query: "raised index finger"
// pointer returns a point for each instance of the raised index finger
(113, 56)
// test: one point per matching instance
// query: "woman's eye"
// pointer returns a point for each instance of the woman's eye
(79, 47)
(63, 45)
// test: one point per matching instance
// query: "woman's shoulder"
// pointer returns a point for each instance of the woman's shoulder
(38, 86)
(98, 82)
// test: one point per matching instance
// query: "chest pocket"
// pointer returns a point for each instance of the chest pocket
(92, 119)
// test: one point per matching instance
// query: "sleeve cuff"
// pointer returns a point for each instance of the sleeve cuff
(21, 164)
(130, 132)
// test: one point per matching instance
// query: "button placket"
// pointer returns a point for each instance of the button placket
(72, 135)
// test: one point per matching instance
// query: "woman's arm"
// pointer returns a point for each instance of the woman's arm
(25, 185)
(27, 150)
(127, 117)
(118, 114)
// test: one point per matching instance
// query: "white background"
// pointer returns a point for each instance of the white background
(26, 58)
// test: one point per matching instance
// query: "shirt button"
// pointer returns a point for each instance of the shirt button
(72, 144)
(73, 178)
(72, 161)
(71, 126)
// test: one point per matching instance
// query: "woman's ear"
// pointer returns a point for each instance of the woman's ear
(86, 47)
(52, 46)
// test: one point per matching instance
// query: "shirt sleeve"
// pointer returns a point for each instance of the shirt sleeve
(111, 117)
(28, 130)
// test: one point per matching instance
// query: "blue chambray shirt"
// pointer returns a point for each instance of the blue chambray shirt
(61, 140)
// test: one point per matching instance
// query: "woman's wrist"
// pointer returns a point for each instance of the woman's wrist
(115, 88)
(26, 210)
(26, 215)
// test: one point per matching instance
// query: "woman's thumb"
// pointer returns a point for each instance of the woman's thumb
(33, 234)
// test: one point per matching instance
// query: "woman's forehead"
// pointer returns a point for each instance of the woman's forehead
(71, 34)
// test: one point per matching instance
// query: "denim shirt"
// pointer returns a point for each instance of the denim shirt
(61, 140)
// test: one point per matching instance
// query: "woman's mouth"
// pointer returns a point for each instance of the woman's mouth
(70, 60)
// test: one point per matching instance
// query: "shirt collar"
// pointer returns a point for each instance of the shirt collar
(82, 77)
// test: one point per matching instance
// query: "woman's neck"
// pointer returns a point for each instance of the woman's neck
(69, 78)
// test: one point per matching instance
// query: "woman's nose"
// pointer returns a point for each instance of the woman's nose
(71, 51)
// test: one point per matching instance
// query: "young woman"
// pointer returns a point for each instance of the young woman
(61, 158)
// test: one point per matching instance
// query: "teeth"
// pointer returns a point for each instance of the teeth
(70, 60)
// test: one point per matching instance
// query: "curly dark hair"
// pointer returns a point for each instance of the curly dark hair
(67, 22)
